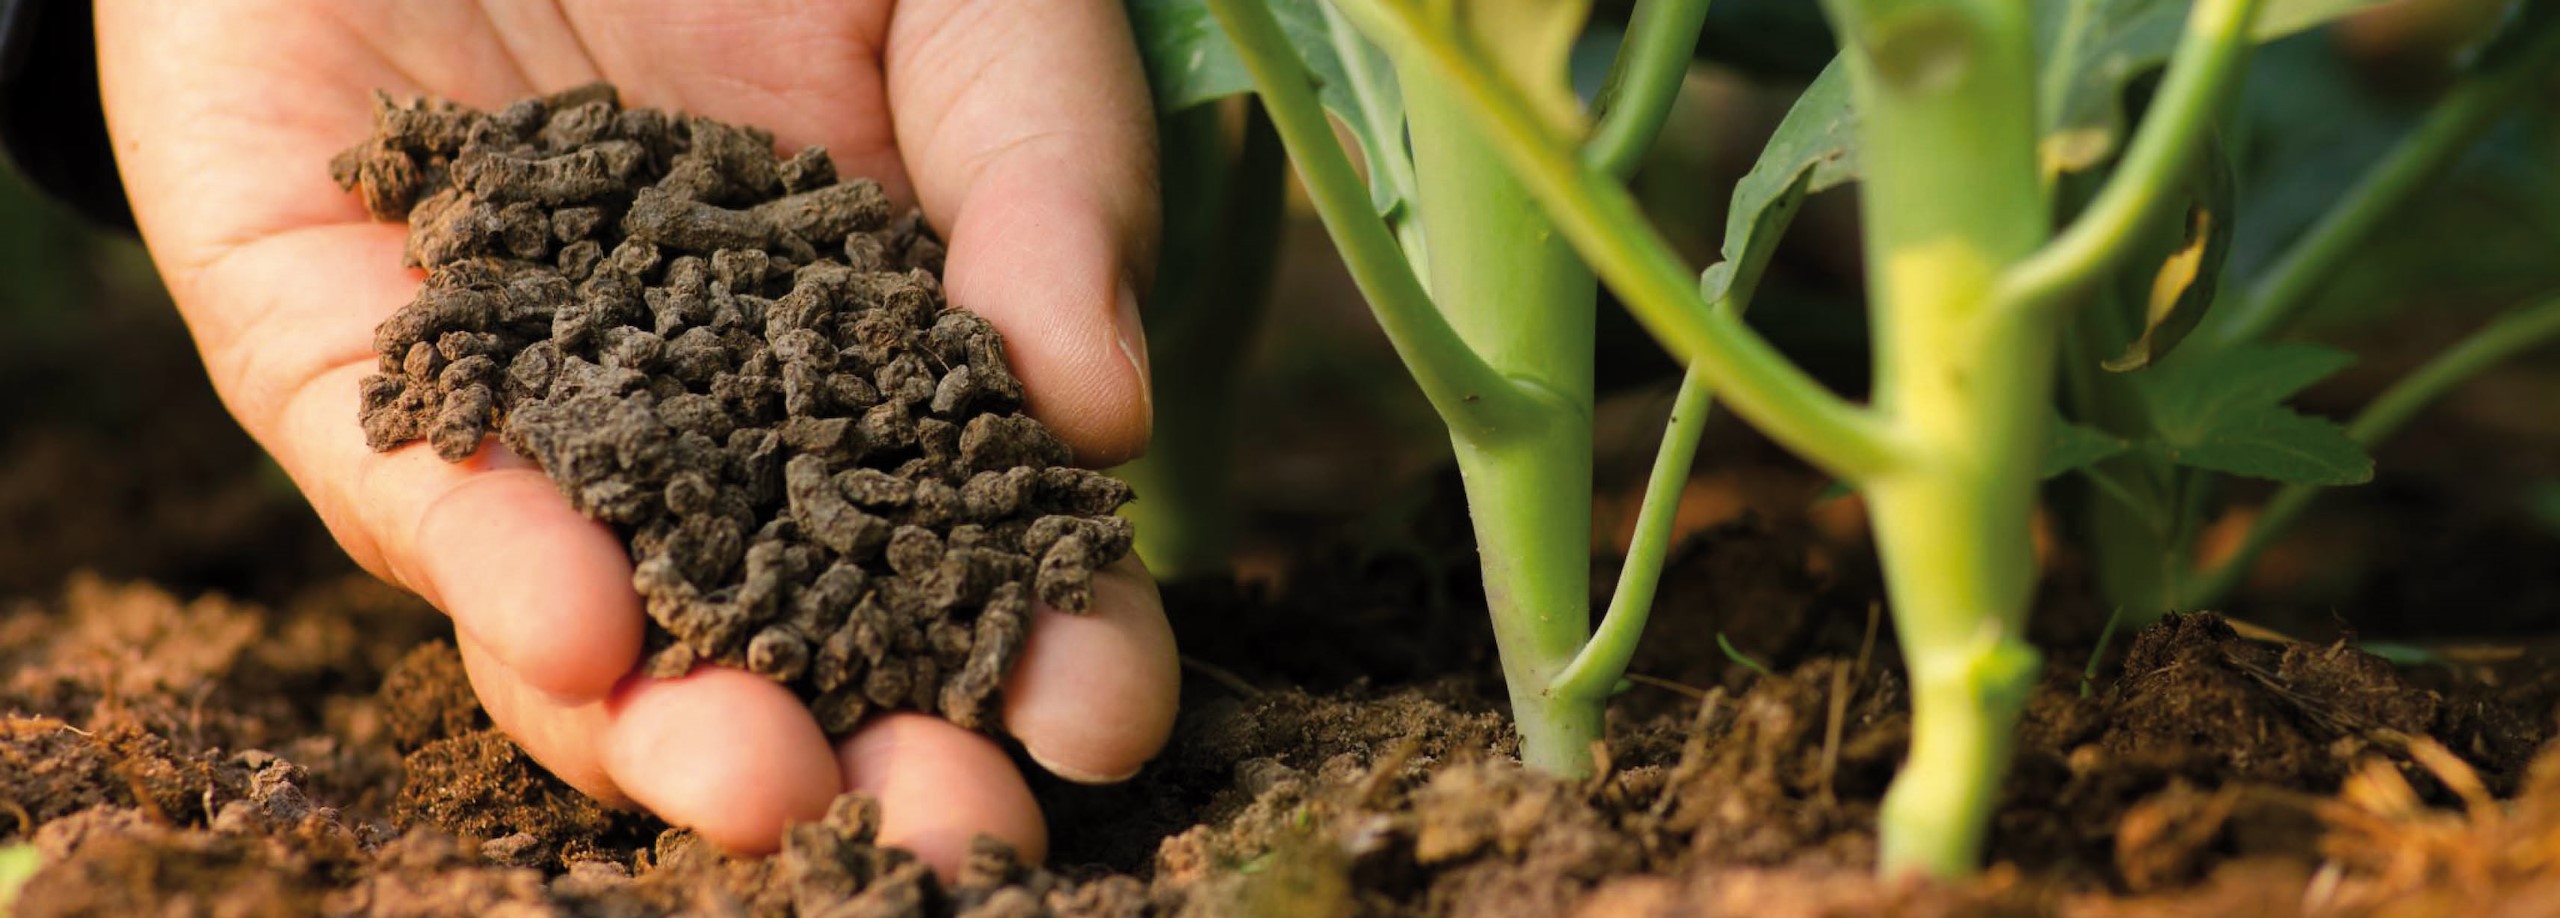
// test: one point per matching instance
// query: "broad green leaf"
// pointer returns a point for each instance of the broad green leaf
(1371, 80)
(2277, 444)
(1813, 149)
(2223, 410)
(1190, 61)
(2092, 49)
(2183, 287)
(2077, 447)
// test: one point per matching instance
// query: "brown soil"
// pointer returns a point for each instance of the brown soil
(747, 368)
(2214, 773)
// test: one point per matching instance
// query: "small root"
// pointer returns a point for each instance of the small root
(1668, 685)
(1224, 677)
(1833, 723)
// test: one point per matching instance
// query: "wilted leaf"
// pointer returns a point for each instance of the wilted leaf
(2077, 447)
(1814, 148)
(2223, 410)
(2092, 49)
(2183, 288)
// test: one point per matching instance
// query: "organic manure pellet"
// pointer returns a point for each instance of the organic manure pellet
(747, 368)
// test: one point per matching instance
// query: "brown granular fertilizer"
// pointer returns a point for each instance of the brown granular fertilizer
(747, 368)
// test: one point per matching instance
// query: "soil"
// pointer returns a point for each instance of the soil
(747, 367)
(311, 748)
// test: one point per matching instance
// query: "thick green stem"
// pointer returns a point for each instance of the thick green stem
(1662, 36)
(1610, 230)
(1518, 295)
(1470, 396)
(2505, 337)
(1952, 85)
(2474, 105)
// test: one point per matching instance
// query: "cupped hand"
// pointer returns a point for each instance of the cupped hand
(1023, 132)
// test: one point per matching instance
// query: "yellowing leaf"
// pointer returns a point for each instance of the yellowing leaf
(2183, 286)
(2161, 323)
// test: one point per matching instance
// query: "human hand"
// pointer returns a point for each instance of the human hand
(1026, 137)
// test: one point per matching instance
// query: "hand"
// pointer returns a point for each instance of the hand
(1028, 138)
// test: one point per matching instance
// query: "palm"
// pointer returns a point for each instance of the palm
(224, 121)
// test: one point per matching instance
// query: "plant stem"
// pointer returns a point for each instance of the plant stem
(1951, 87)
(2510, 334)
(1518, 295)
(1605, 225)
(1604, 658)
(2468, 111)
(2209, 59)
(1662, 36)
(1613, 644)
(1469, 395)
(1200, 318)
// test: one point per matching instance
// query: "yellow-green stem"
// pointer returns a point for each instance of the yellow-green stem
(1949, 87)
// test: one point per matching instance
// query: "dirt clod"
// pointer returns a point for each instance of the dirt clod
(746, 365)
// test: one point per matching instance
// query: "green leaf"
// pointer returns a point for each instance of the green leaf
(2093, 49)
(1813, 149)
(2223, 410)
(2078, 447)
(2523, 21)
(1371, 80)
(1190, 61)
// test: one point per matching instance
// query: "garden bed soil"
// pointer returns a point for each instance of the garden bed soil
(324, 756)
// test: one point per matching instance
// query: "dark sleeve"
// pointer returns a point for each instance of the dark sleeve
(51, 123)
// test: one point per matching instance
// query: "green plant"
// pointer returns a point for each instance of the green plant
(2159, 430)
(1494, 199)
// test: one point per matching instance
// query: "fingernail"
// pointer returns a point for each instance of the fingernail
(1133, 348)
(1077, 775)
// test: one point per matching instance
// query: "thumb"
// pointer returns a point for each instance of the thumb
(1030, 140)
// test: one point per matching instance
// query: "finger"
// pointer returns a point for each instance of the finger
(808, 72)
(490, 541)
(940, 786)
(565, 738)
(727, 753)
(224, 116)
(1031, 140)
(1094, 695)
